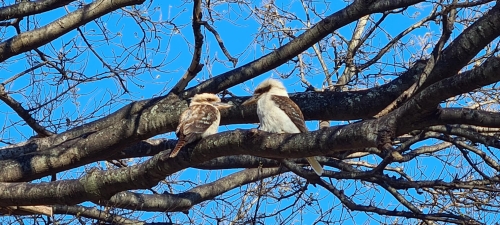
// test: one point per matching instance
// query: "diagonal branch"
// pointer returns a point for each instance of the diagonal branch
(23, 113)
(35, 38)
(26, 8)
(425, 103)
(221, 43)
(195, 67)
(183, 201)
(286, 52)
(470, 42)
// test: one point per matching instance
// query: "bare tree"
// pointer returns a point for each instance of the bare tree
(405, 91)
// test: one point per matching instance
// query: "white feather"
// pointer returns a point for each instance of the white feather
(273, 119)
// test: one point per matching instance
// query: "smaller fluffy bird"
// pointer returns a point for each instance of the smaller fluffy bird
(201, 119)
(279, 114)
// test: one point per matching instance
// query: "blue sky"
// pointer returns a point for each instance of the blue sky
(176, 49)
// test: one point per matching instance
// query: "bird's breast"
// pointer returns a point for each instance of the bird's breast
(273, 119)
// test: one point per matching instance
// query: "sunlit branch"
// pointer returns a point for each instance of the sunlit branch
(352, 48)
(26, 8)
(35, 38)
(286, 52)
(184, 201)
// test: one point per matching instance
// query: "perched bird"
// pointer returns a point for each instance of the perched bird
(201, 119)
(279, 114)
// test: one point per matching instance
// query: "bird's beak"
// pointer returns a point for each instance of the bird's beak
(223, 105)
(251, 100)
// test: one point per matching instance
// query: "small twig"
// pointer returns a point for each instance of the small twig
(23, 113)
(24, 72)
(120, 79)
(195, 66)
(347, 202)
(221, 43)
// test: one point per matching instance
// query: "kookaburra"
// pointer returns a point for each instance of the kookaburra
(279, 114)
(201, 119)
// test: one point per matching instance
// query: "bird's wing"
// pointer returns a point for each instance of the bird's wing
(192, 123)
(196, 120)
(292, 110)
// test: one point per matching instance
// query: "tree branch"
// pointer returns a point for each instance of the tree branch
(23, 113)
(184, 201)
(195, 67)
(286, 52)
(26, 8)
(459, 52)
(35, 38)
(94, 213)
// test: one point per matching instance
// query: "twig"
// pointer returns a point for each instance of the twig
(445, 217)
(120, 79)
(221, 43)
(23, 113)
(24, 72)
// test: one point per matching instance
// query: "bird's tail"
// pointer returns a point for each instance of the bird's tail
(315, 165)
(177, 148)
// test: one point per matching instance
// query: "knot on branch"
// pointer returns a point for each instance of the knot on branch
(384, 144)
(384, 137)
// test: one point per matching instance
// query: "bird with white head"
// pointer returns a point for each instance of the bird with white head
(279, 114)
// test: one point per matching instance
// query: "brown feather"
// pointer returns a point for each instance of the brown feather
(177, 148)
(193, 123)
(292, 110)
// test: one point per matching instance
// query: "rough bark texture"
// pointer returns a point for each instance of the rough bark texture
(388, 121)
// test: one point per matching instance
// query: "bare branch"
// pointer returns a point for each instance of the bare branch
(286, 52)
(32, 39)
(221, 43)
(185, 200)
(195, 67)
(26, 8)
(94, 213)
(23, 113)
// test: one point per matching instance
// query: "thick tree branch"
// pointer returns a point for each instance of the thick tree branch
(100, 185)
(26, 8)
(32, 39)
(355, 105)
(468, 116)
(286, 52)
(426, 102)
(83, 145)
(184, 201)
